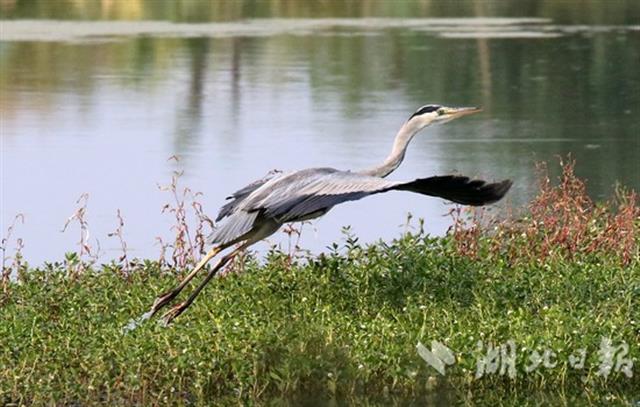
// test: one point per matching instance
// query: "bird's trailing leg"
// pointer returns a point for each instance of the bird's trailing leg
(168, 296)
(179, 309)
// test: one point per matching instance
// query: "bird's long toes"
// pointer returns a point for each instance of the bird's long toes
(173, 313)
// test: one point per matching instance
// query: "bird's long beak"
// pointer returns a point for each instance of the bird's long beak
(452, 113)
(455, 112)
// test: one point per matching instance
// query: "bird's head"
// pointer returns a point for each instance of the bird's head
(430, 114)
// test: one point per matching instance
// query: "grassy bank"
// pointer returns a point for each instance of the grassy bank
(345, 325)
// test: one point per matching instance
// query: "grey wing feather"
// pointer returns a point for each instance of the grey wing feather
(236, 225)
(321, 191)
(294, 196)
(324, 191)
(237, 197)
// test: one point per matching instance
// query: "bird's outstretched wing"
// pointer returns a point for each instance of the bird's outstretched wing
(237, 197)
(321, 191)
(307, 193)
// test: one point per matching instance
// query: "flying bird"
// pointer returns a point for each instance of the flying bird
(262, 207)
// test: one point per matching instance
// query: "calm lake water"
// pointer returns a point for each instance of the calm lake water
(99, 106)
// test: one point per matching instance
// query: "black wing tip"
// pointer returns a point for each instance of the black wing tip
(491, 193)
(459, 189)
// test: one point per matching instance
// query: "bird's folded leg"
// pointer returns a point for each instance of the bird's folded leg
(167, 297)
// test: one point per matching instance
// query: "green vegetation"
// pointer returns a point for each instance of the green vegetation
(345, 325)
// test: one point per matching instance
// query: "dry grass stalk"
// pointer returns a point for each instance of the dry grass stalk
(467, 229)
(123, 260)
(562, 221)
(16, 259)
(294, 235)
(186, 247)
(87, 252)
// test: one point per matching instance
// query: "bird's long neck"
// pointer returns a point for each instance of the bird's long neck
(400, 144)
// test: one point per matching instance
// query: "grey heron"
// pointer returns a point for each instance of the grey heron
(259, 209)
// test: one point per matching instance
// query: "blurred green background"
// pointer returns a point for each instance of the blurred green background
(561, 11)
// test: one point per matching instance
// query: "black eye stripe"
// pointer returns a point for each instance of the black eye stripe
(425, 109)
(428, 109)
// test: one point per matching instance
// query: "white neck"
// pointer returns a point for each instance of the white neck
(400, 144)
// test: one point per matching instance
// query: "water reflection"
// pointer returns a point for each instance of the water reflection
(190, 114)
(563, 12)
(104, 117)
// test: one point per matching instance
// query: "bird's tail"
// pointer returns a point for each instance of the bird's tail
(233, 229)
(458, 189)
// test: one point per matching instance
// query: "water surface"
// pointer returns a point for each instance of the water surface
(99, 107)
